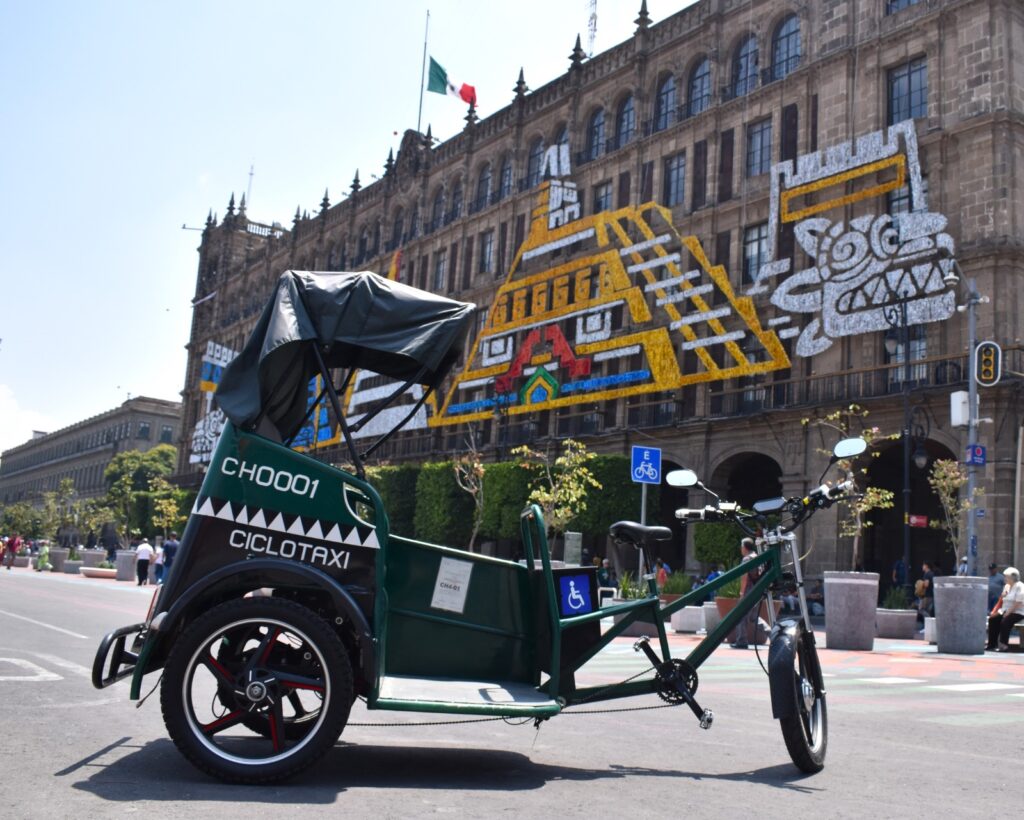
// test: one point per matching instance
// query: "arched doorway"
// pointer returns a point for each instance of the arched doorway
(746, 478)
(883, 540)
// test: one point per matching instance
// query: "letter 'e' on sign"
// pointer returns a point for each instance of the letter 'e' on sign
(451, 585)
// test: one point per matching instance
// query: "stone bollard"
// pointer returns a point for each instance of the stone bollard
(960, 609)
(125, 565)
(850, 603)
(688, 619)
(711, 617)
(930, 632)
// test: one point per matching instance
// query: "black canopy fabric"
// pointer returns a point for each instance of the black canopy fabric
(360, 320)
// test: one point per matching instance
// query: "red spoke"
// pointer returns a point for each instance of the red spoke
(230, 719)
(267, 645)
(299, 682)
(276, 717)
(219, 670)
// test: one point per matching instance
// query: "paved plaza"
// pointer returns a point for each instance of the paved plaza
(904, 722)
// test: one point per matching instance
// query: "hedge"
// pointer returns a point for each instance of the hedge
(397, 488)
(506, 489)
(617, 500)
(444, 513)
(717, 544)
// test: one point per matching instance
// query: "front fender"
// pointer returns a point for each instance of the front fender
(781, 661)
(237, 579)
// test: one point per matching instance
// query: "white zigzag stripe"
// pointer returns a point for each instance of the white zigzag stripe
(258, 521)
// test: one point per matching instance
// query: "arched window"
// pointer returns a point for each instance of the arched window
(364, 245)
(397, 226)
(786, 47)
(375, 248)
(483, 188)
(437, 211)
(534, 160)
(625, 122)
(505, 180)
(595, 134)
(456, 210)
(699, 93)
(744, 67)
(414, 222)
(665, 104)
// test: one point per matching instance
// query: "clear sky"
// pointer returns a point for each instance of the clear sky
(124, 119)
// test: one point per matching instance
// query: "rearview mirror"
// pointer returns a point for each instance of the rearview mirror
(769, 505)
(849, 447)
(681, 478)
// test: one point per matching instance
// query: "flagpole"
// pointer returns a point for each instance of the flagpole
(423, 70)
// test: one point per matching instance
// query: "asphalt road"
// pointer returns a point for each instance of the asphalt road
(911, 733)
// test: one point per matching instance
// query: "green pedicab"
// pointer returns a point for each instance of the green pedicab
(290, 597)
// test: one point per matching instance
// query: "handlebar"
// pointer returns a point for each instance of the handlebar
(798, 508)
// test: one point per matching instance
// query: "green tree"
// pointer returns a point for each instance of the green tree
(21, 518)
(469, 475)
(128, 477)
(843, 423)
(166, 503)
(560, 487)
(947, 478)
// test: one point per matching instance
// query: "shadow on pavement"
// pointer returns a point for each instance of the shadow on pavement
(156, 771)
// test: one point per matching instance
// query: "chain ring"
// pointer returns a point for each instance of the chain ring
(675, 670)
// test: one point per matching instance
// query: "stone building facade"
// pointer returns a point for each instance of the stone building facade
(696, 240)
(82, 451)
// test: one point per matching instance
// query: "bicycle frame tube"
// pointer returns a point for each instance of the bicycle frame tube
(649, 607)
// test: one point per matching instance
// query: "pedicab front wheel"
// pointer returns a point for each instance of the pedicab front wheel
(805, 730)
(256, 690)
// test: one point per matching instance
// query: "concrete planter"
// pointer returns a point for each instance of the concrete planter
(96, 572)
(711, 617)
(125, 565)
(21, 560)
(58, 555)
(850, 603)
(72, 567)
(688, 619)
(896, 623)
(960, 614)
(92, 558)
(637, 629)
(931, 632)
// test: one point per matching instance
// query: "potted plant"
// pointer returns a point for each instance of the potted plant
(632, 588)
(894, 618)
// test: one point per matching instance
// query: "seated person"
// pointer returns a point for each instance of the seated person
(815, 595)
(1009, 610)
(605, 574)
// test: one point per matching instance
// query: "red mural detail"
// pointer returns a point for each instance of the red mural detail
(560, 348)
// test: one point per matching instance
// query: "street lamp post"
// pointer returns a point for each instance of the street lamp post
(973, 300)
(896, 316)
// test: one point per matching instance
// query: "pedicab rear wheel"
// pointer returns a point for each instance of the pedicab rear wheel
(237, 719)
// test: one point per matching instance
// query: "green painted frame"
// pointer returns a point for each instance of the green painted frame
(645, 609)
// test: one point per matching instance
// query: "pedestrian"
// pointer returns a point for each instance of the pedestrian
(158, 564)
(712, 575)
(13, 546)
(961, 569)
(899, 574)
(995, 585)
(1009, 610)
(605, 576)
(143, 555)
(170, 550)
(746, 631)
(925, 590)
(661, 573)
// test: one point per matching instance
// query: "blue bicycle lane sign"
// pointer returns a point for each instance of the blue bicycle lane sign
(646, 465)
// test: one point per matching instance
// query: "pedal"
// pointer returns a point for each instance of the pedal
(707, 719)
(644, 645)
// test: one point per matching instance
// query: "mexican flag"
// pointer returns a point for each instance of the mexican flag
(441, 83)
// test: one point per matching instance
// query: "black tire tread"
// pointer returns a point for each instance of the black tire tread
(795, 736)
(341, 683)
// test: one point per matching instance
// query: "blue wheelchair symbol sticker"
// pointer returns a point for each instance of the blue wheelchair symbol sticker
(575, 595)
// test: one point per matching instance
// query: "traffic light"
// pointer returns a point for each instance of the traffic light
(988, 363)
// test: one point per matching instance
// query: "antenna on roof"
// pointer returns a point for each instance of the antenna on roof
(591, 27)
